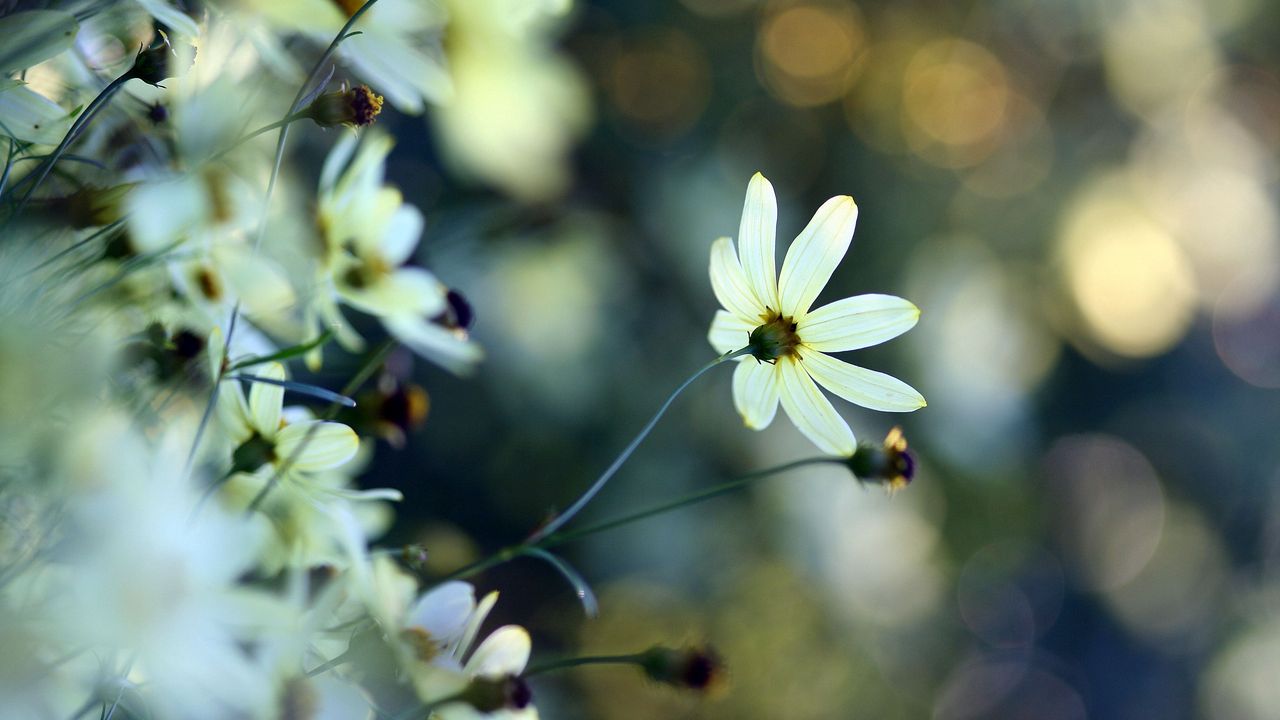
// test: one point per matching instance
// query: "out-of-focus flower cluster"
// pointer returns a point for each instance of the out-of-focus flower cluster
(181, 533)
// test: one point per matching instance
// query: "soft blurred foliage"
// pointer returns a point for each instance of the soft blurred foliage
(1080, 196)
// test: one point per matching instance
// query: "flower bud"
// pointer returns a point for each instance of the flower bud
(690, 668)
(493, 694)
(356, 107)
(155, 64)
(888, 464)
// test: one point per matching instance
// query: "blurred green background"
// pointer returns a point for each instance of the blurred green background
(1079, 195)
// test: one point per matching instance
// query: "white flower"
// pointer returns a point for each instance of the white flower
(396, 51)
(149, 581)
(263, 439)
(369, 234)
(442, 626)
(432, 635)
(518, 106)
(790, 341)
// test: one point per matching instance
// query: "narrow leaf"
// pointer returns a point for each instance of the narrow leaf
(302, 388)
(287, 353)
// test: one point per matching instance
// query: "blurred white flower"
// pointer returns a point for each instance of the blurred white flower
(369, 234)
(397, 50)
(517, 105)
(155, 588)
(264, 439)
(789, 342)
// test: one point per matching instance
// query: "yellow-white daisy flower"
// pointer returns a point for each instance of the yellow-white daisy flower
(789, 342)
(369, 234)
(263, 438)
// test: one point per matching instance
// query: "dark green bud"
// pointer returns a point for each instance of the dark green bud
(493, 694)
(889, 463)
(156, 63)
(774, 339)
(689, 668)
(253, 454)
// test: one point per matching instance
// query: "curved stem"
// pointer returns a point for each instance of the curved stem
(550, 541)
(565, 663)
(691, 499)
(289, 119)
(609, 472)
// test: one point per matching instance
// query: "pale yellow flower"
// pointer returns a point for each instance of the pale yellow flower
(771, 312)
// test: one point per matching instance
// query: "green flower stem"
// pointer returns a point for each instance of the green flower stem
(565, 663)
(288, 119)
(557, 539)
(691, 499)
(586, 497)
(40, 173)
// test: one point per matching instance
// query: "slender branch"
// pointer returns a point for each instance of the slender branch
(565, 663)
(529, 546)
(691, 499)
(622, 458)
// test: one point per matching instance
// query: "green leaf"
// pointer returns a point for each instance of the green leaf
(34, 36)
(303, 388)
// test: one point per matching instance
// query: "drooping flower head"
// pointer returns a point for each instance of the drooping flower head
(770, 313)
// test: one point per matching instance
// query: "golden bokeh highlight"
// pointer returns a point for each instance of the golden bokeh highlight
(1128, 278)
(955, 100)
(810, 54)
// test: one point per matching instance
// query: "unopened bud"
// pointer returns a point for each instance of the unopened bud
(493, 694)
(690, 668)
(888, 464)
(356, 107)
(156, 63)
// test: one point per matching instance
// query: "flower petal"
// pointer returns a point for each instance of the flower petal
(450, 349)
(730, 284)
(756, 239)
(814, 255)
(505, 652)
(444, 610)
(407, 291)
(755, 392)
(329, 445)
(857, 322)
(861, 386)
(233, 411)
(401, 234)
(728, 332)
(811, 411)
(265, 400)
(473, 624)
